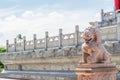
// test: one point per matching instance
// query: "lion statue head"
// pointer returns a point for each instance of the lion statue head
(91, 34)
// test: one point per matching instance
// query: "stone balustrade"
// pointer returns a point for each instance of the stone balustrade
(60, 41)
(71, 39)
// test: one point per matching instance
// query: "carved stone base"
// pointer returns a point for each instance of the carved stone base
(96, 71)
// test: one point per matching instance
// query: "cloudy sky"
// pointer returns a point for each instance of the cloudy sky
(28, 17)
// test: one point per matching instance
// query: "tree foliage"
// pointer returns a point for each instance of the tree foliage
(1, 65)
(2, 50)
(19, 37)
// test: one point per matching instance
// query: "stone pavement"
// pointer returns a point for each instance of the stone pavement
(11, 79)
(7, 79)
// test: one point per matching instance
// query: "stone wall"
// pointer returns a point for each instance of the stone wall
(52, 59)
(112, 47)
(66, 58)
(53, 64)
(109, 33)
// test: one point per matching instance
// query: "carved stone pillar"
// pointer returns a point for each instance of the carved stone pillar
(102, 16)
(76, 35)
(46, 40)
(96, 71)
(24, 43)
(34, 41)
(15, 42)
(7, 45)
(60, 38)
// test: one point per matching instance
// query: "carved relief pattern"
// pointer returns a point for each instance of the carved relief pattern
(98, 76)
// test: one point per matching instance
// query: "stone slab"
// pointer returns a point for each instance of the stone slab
(96, 72)
(97, 65)
(41, 75)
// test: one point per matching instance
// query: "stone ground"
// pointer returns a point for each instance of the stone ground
(118, 78)
(2, 78)
(11, 79)
(6, 79)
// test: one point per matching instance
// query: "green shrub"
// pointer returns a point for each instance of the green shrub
(2, 50)
(1, 65)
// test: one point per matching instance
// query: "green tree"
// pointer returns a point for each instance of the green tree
(19, 37)
(2, 50)
(1, 65)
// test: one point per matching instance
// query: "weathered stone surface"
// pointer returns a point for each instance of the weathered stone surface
(43, 75)
(39, 59)
(96, 72)
(55, 63)
(41, 53)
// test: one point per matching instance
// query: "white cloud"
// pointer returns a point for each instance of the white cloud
(10, 18)
(8, 11)
(108, 0)
(28, 14)
(35, 21)
(1, 34)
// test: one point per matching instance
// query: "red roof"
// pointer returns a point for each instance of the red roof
(117, 4)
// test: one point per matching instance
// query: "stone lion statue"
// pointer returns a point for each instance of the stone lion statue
(92, 49)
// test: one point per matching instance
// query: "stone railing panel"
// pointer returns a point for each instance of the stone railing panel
(29, 45)
(40, 43)
(19, 46)
(68, 39)
(53, 42)
(11, 47)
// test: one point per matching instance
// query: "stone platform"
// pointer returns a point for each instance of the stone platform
(96, 71)
(12, 79)
(40, 75)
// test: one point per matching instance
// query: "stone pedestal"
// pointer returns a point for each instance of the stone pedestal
(96, 71)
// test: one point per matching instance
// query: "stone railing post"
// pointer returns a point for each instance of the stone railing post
(7, 45)
(60, 38)
(46, 40)
(76, 35)
(34, 41)
(15, 42)
(24, 43)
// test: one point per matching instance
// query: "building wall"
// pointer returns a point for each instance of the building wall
(109, 33)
